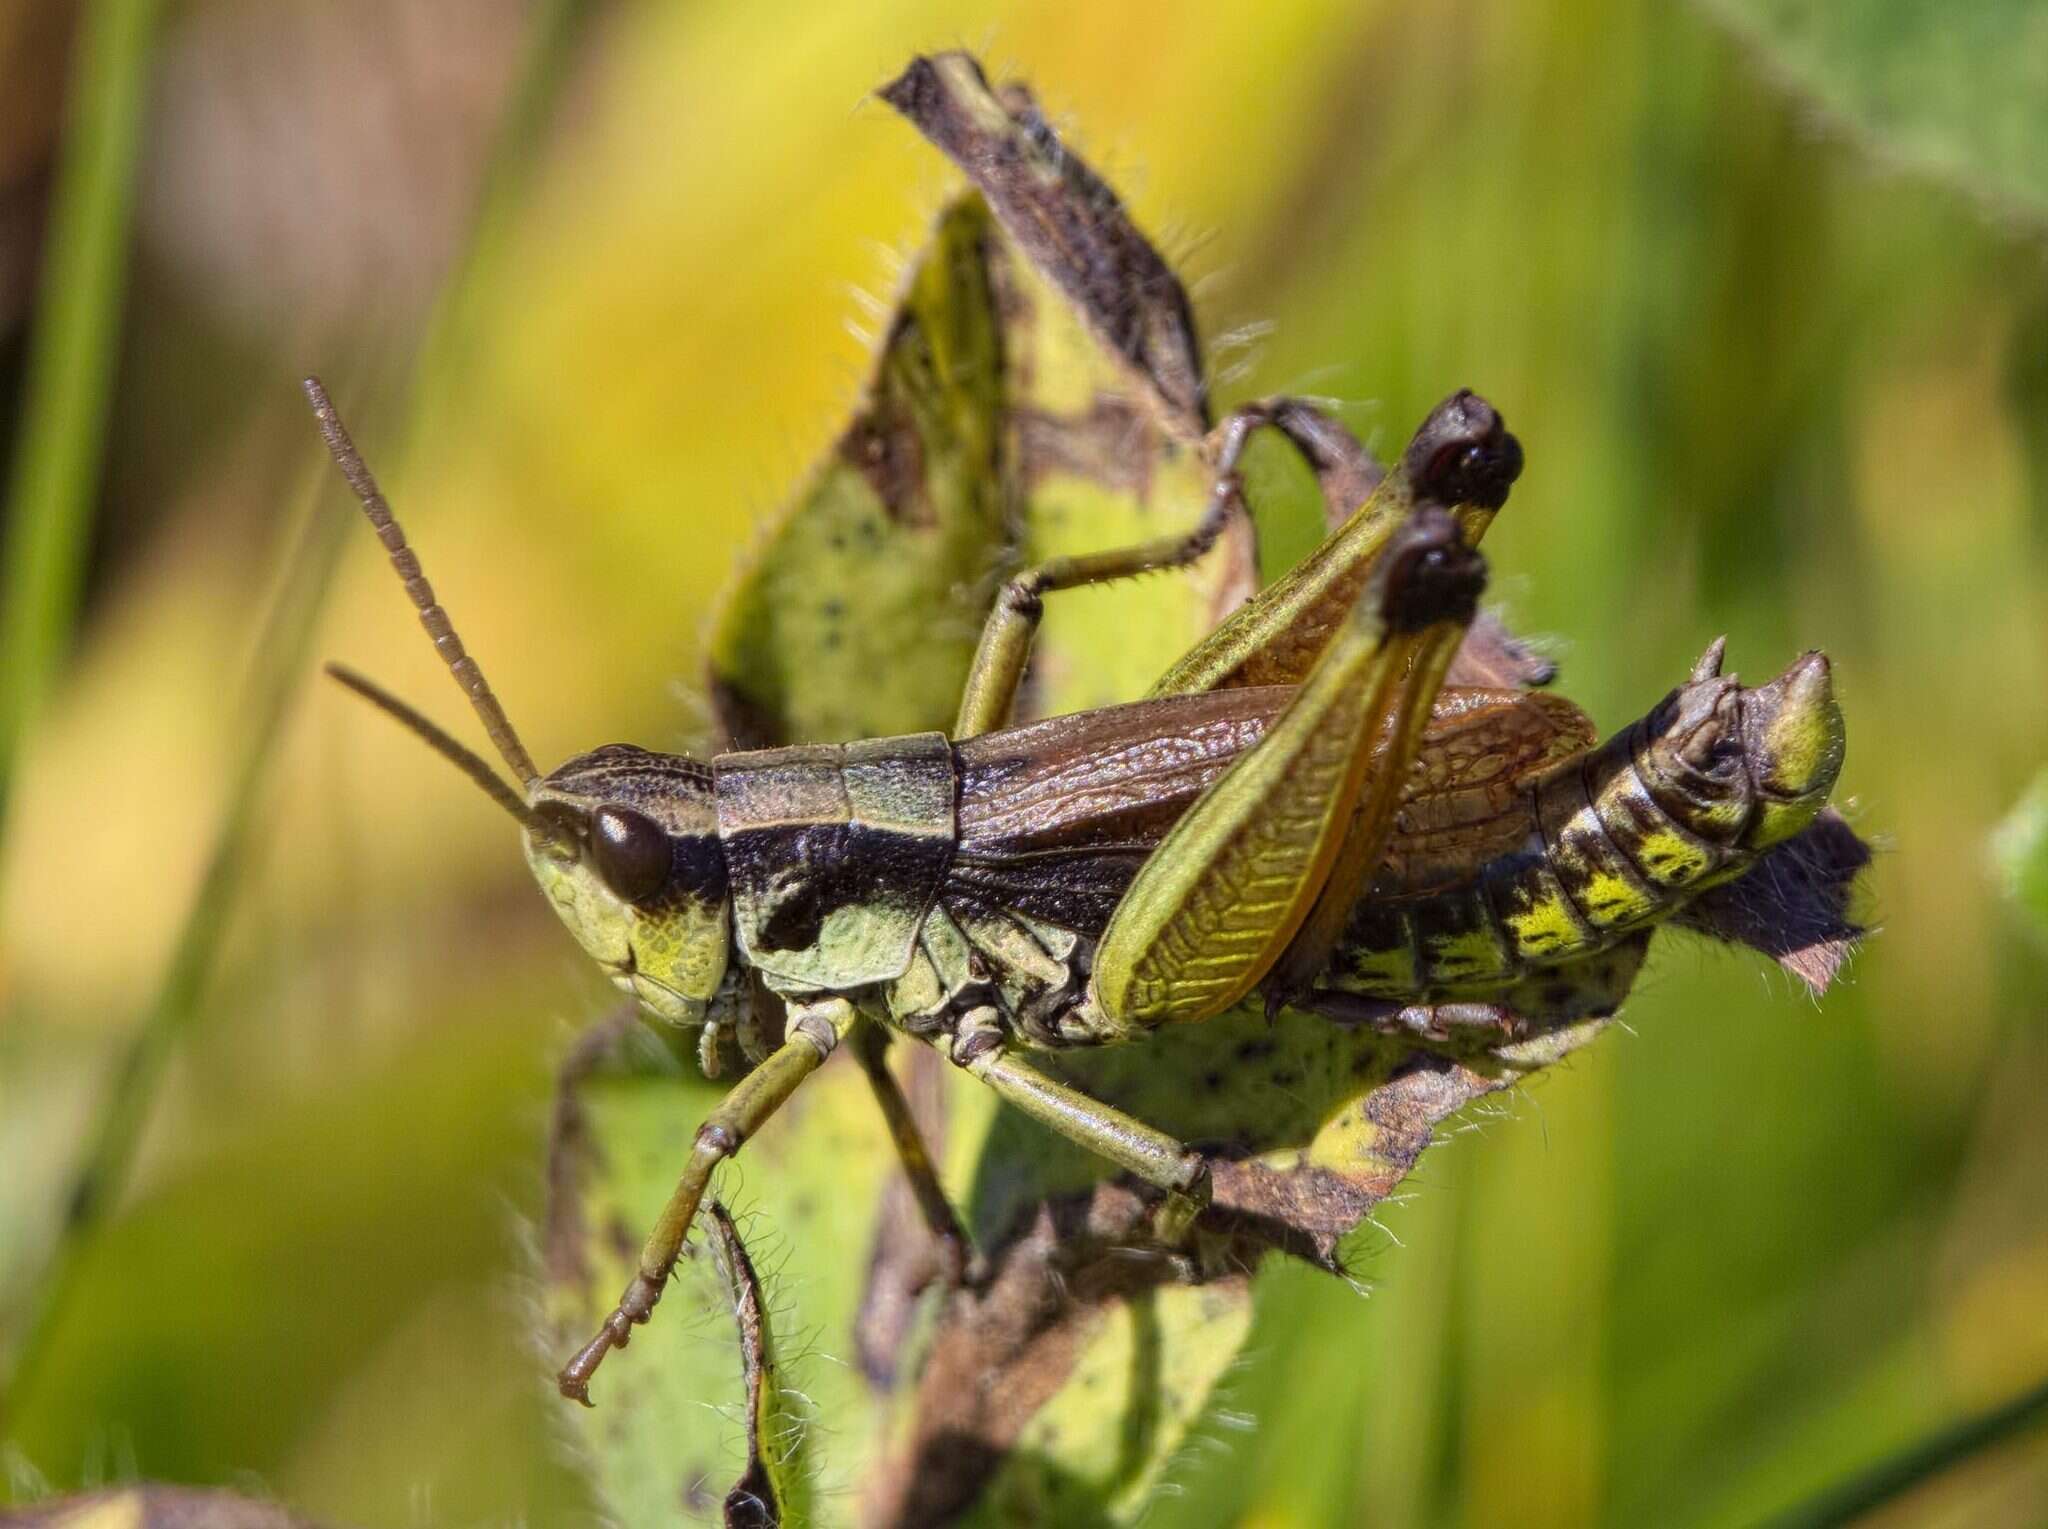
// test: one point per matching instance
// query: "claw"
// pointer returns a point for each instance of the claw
(1177, 1213)
(634, 1308)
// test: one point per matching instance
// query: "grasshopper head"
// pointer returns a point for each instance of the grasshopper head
(626, 849)
(1743, 766)
(623, 842)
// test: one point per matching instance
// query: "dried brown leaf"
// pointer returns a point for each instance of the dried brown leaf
(1068, 222)
(1794, 906)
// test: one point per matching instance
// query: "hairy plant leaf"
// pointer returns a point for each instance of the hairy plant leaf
(858, 614)
(1069, 225)
(774, 1492)
(1105, 406)
(1062, 1386)
(694, 1406)
(1959, 92)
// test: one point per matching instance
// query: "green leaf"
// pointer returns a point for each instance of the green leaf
(1959, 92)
(1069, 226)
(1105, 405)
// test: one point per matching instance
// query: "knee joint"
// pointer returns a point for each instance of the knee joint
(1025, 596)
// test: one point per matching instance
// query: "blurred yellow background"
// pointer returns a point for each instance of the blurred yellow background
(1734, 1251)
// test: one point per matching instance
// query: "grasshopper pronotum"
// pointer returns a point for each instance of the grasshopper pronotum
(1301, 812)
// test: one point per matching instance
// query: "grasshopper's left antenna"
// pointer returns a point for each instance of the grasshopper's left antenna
(432, 617)
(468, 761)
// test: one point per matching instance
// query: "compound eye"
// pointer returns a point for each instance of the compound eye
(631, 852)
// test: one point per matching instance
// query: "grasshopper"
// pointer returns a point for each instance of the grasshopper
(1301, 813)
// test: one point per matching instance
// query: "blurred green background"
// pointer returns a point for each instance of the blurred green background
(594, 283)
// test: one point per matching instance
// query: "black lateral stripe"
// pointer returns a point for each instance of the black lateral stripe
(1077, 890)
(857, 835)
(816, 869)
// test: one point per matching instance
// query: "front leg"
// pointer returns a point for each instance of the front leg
(814, 1032)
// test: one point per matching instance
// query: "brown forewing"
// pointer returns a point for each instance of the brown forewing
(1468, 800)
(1055, 817)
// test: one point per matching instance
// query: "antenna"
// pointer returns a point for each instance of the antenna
(432, 617)
(468, 761)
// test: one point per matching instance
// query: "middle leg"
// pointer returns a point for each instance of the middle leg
(1154, 1156)
(1006, 640)
(871, 1050)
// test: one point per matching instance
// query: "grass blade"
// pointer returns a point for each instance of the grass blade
(281, 659)
(1848, 1501)
(71, 361)
(283, 653)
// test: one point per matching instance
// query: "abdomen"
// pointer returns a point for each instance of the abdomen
(1601, 860)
